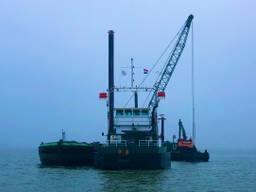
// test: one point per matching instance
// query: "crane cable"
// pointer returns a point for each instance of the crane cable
(165, 50)
(160, 57)
(193, 86)
(155, 64)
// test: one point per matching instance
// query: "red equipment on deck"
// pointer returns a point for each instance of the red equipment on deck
(185, 143)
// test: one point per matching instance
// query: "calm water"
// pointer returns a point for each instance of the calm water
(20, 171)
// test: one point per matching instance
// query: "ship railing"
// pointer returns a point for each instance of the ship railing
(149, 143)
(141, 143)
(116, 143)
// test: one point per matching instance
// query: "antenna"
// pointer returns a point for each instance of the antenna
(132, 72)
(132, 84)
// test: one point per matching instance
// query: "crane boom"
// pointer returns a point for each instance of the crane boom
(171, 64)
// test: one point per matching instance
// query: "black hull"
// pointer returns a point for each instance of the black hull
(111, 158)
(67, 155)
(190, 155)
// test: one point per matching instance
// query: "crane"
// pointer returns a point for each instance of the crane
(182, 130)
(161, 84)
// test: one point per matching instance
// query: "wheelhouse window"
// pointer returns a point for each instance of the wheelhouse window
(119, 112)
(144, 112)
(136, 112)
(128, 112)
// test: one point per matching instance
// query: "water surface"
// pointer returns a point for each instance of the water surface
(20, 170)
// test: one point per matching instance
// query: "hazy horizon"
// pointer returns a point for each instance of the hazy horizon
(53, 64)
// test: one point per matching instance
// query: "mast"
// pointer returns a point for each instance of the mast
(132, 73)
(132, 84)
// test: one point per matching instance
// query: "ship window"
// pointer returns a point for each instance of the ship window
(119, 112)
(128, 112)
(144, 111)
(136, 112)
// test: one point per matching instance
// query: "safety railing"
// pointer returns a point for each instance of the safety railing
(140, 143)
(149, 143)
(116, 143)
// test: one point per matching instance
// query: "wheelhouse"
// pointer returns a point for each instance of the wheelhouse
(132, 119)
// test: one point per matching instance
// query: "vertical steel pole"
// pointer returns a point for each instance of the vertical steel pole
(162, 118)
(162, 129)
(136, 99)
(132, 72)
(132, 84)
(193, 86)
(111, 82)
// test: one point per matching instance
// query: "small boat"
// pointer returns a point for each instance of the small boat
(189, 154)
(184, 149)
(67, 153)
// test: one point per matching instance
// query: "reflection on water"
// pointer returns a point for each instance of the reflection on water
(126, 180)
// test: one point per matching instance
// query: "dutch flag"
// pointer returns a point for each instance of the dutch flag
(145, 71)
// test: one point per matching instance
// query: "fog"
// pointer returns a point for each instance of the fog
(53, 64)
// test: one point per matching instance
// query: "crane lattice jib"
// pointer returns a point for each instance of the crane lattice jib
(171, 63)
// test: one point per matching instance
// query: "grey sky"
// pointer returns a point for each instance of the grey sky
(53, 64)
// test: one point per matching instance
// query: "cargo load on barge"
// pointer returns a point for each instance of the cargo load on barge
(67, 153)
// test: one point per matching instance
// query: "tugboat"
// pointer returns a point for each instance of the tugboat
(67, 153)
(133, 140)
(184, 149)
